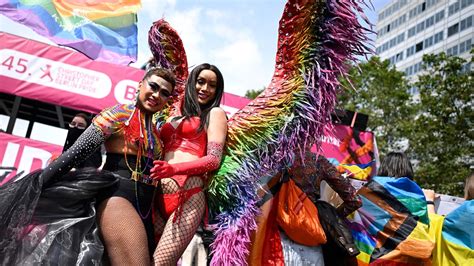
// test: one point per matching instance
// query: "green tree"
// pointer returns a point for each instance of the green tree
(252, 94)
(434, 126)
(441, 136)
(381, 92)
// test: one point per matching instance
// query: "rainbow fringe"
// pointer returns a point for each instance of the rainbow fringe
(168, 52)
(316, 41)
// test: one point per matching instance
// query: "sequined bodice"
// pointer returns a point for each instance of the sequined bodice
(124, 121)
(185, 137)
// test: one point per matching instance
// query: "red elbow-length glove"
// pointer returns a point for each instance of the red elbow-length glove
(210, 162)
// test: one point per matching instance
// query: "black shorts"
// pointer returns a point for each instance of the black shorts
(139, 194)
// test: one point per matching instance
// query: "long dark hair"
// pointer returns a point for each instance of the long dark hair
(396, 164)
(191, 106)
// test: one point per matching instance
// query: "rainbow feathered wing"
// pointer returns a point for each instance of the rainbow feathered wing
(168, 52)
(316, 41)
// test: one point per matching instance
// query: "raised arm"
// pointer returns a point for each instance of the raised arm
(103, 125)
(310, 172)
(341, 185)
(216, 137)
(85, 145)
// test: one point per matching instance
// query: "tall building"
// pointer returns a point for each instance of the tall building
(407, 29)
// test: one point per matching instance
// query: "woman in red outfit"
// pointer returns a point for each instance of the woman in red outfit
(193, 144)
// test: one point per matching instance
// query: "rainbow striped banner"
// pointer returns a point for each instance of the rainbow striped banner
(102, 30)
(392, 226)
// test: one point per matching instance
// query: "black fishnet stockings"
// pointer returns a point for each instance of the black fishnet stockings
(178, 232)
(123, 233)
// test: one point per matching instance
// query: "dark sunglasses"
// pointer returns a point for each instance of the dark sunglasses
(155, 87)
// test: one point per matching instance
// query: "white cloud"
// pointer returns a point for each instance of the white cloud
(241, 64)
(217, 36)
(239, 56)
(215, 15)
(227, 32)
(188, 25)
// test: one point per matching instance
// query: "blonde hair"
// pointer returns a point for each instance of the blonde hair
(469, 188)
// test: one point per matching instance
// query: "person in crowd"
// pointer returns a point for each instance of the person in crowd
(453, 233)
(396, 164)
(193, 145)
(430, 196)
(132, 203)
(469, 188)
(308, 173)
(468, 193)
(125, 205)
(77, 126)
(312, 170)
(392, 226)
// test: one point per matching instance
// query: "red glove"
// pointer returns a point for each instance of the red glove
(210, 162)
(162, 169)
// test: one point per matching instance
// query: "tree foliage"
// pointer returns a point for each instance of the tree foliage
(433, 127)
(381, 92)
(442, 136)
(252, 94)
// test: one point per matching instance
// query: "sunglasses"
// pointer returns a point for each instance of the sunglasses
(155, 87)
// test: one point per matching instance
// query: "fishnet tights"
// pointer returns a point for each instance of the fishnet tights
(177, 234)
(123, 233)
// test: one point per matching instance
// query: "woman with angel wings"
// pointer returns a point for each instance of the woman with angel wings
(193, 137)
(316, 41)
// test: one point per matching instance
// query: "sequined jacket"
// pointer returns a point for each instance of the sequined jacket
(309, 173)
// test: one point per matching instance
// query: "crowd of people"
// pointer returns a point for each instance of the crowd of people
(150, 208)
(152, 205)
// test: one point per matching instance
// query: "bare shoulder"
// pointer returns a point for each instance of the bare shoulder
(218, 113)
(217, 128)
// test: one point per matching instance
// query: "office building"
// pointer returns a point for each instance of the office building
(407, 29)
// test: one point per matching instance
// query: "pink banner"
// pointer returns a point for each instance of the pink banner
(24, 154)
(64, 77)
(353, 152)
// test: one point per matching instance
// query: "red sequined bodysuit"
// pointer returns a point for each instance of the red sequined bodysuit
(185, 138)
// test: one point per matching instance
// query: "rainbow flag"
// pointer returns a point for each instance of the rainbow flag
(102, 30)
(454, 236)
(392, 226)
